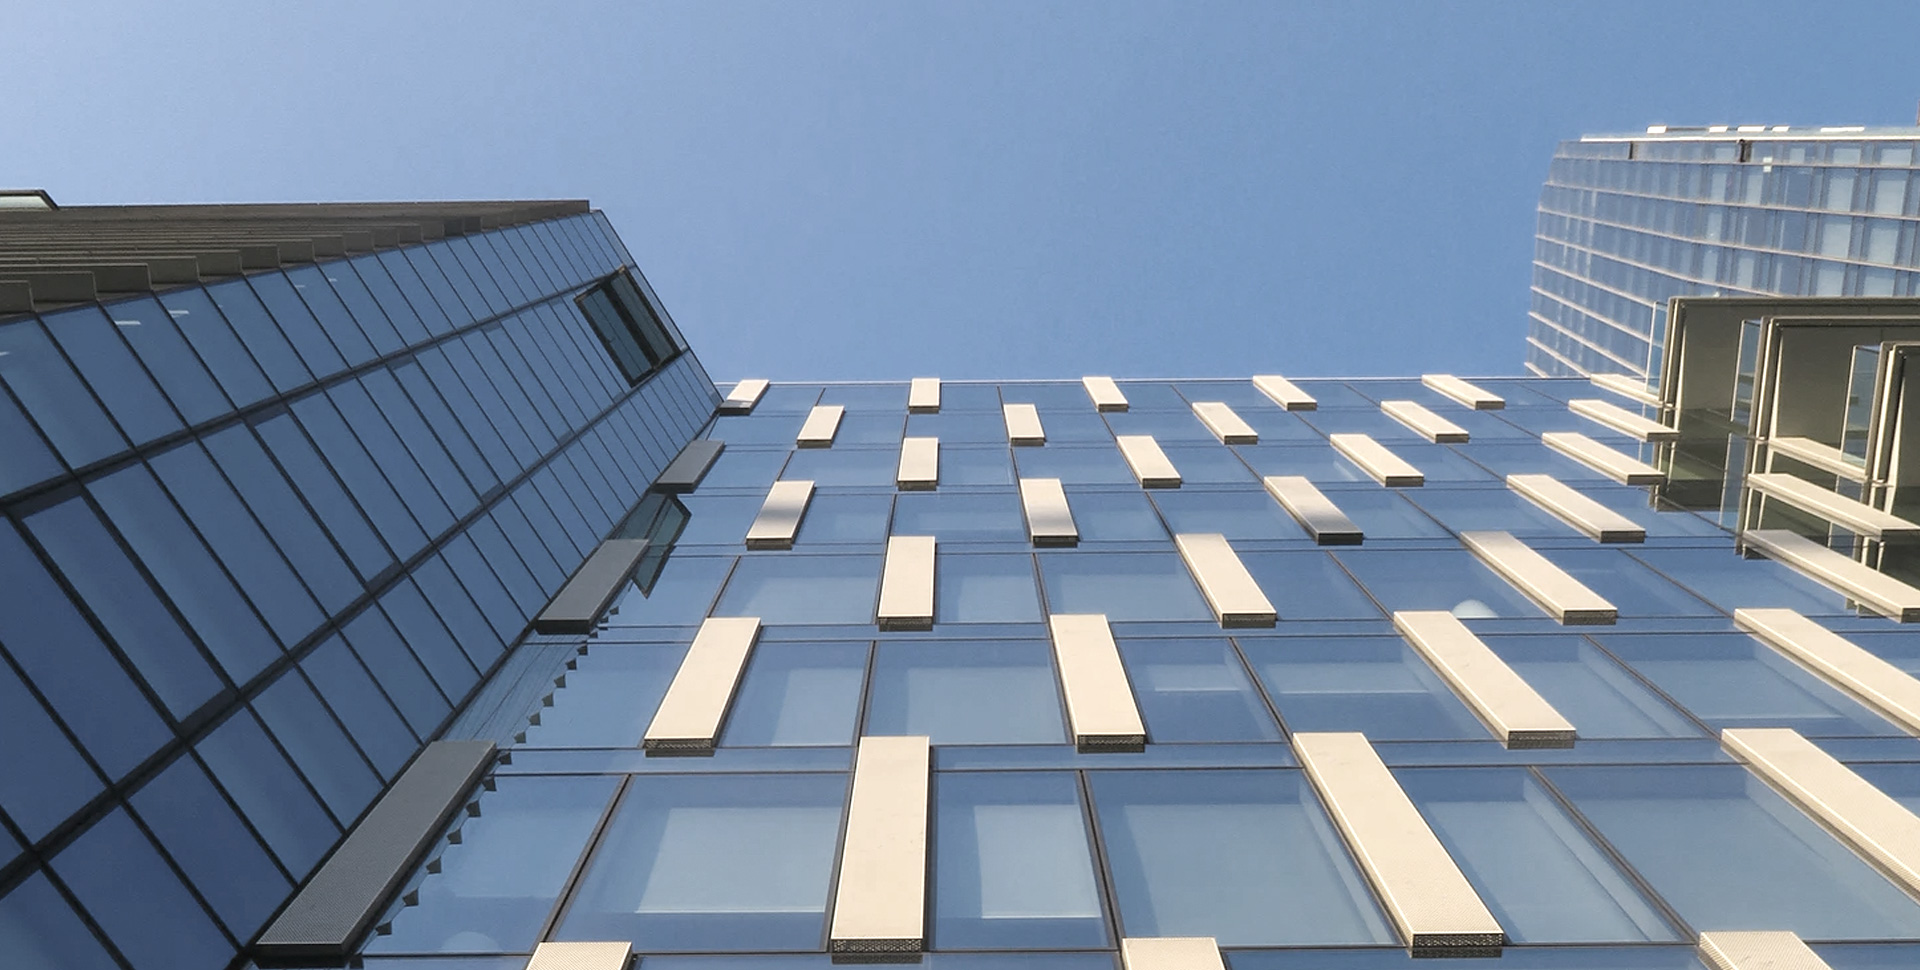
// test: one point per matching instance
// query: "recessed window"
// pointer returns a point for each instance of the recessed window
(635, 335)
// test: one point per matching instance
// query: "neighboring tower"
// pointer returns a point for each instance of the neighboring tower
(1627, 221)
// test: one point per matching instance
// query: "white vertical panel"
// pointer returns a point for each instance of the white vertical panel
(1879, 592)
(1381, 465)
(1563, 597)
(1284, 393)
(1105, 393)
(1512, 710)
(1225, 425)
(1023, 424)
(919, 465)
(823, 422)
(879, 902)
(1049, 520)
(1577, 510)
(1465, 393)
(1424, 422)
(1313, 510)
(923, 395)
(696, 703)
(1150, 466)
(780, 515)
(1235, 598)
(1100, 704)
(744, 396)
(906, 584)
(1877, 828)
(1621, 468)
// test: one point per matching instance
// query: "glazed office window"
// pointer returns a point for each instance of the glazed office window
(635, 336)
(46, 779)
(1375, 685)
(846, 518)
(1195, 690)
(1626, 583)
(118, 877)
(94, 344)
(1248, 858)
(38, 374)
(1726, 851)
(212, 846)
(609, 698)
(1109, 516)
(1308, 585)
(987, 692)
(1209, 465)
(985, 588)
(497, 885)
(1074, 465)
(713, 862)
(798, 694)
(1732, 680)
(1721, 577)
(1124, 586)
(1013, 867)
(269, 792)
(38, 928)
(352, 694)
(803, 589)
(961, 517)
(1433, 579)
(29, 460)
(1543, 878)
(681, 593)
(1590, 688)
(1236, 514)
(836, 466)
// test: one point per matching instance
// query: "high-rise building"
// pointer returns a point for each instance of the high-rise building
(562, 657)
(1628, 221)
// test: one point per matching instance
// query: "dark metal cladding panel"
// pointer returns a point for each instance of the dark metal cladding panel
(690, 466)
(339, 904)
(578, 605)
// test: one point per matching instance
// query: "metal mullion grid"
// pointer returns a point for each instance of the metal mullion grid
(1736, 246)
(534, 359)
(1588, 341)
(513, 262)
(512, 288)
(515, 241)
(319, 327)
(1592, 832)
(485, 281)
(1763, 204)
(567, 232)
(513, 634)
(427, 265)
(442, 432)
(443, 374)
(1577, 369)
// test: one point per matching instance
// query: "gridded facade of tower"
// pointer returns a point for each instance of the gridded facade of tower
(264, 535)
(1627, 221)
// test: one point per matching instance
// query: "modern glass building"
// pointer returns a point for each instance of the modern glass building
(1628, 221)
(1229, 674)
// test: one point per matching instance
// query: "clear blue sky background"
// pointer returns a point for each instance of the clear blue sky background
(1014, 189)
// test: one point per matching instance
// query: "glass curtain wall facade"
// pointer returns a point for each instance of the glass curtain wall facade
(1627, 221)
(263, 537)
(1610, 842)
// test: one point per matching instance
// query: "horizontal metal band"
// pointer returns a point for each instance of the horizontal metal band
(1849, 514)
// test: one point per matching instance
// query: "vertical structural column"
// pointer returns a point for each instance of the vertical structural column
(880, 903)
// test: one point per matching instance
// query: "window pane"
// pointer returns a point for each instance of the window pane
(1012, 864)
(682, 593)
(1727, 852)
(1248, 858)
(497, 885)
(39, 929)
(1195, 690)
(846, 518)
(836, 466)
(399, 673)
(1236, 514)
(356, 468)
(610, 698)
(1590, 689)
(232, 365)
(990, 692)
(46, 779)
(713, 862)
(1209, 464)
(297, 322)
(975, 466)
(268, 791)
(29, 461)
(798, 694)
(285, 518)
(1723, 578)
(268, 344)
(48, 389)
(330, 501)
(1146, 586)
(357, 301)
(369, 717)
(803, 589)
(960, 517)
(1308, 585)
(318, 746)
(94, 346)
(1104, 516)
(1731, 680)
(1072, 466)
(1375, 685)
(985, 589)
(1545, 881)
(126, 885)
(1435, 579)
(1628, 585)
(207, 839)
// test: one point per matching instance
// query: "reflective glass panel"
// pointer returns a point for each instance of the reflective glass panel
(987, 692)
(1103, 516)
(1435, 579)
(368, 715)
(1590, 688)
(232, 365)
(798, 694)
(39, 929)
(610, 698)
(985, 589)
(1308, 585)
(92, 342)
(1012, 864)
(212, 846)
(960, 517)
(1073, 466)
(269, 792)
(1195, 690)
(49, 390)
(1731, 680)
(129, 890)
(46, 778)
(1235, 514)
(1125, 586)
(1375, 685)
(845, 518)
(318, 746)
(258, 331)
(803, 589)
(29, 460)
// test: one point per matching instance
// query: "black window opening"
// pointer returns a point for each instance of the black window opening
(637, 338)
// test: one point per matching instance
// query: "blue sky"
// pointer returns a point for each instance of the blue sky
(1011, 189)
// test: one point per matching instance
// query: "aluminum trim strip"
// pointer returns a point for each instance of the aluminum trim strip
(1170, 953)
(690, 466)
(879, 900)
(744, 396)
(780, 514)
(919, 465)
(1622, 420)
(1023, 424)
(1049, 520)
(1150, 466)
(591, 589)
(823, 422)
(1624, 469)
(696, 703)
(1453, 387)
(1838, 509)
(1424, 422)
(906, 584)
(1381, 465)
(1505, 703)
(1313, 510)
(1627, 386)
(1879, 592)
(581, 956)
(1564, 598)
(1877, 828)
(1284, 393)
(1225, 425)
(1429, 900)
(1891, 692)
(1757, 950)
(1100, 702)
(1105, 393)
(923, 396)
(1567, 504)
(1231, 592)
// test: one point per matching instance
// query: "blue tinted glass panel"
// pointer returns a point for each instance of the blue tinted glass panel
(212, 846)
(975, 466)
(989, 692)
(39, 377)
(419, 440)
(85, 685)
(422, 630)
(610, 698)
(318, 747)
(391, 454)
(156, 338)
(186, 571)
(232, 364)
(496, 886)
(423, 303)
(129, 889)
(1209, 464)
(1150, 586)
(713, 862)
(810, 589)
(147, 634)
(681, 594)
(1635, 589)
(314, 287)
(834, 466)
(368, 715)
(362, 477)
(258, 330)
(1590, 689)
(1012, 863)
(1236, 514)
(460, 303)
(951, 425)
(507, 565)
(372, 273)
(1308, 585)
(398, 672)
(1723, 578)
(985, 589)
(1375, 685)
(1731, 680)
(330, 501)
(285, 518)
(39, 929)
(29, 460)
(268, 791)
(92, 343)
(1195, 690)
(846, 518)
(46, 779)
(447, 425)
(798, 694)
(1435, 579)
(1528, 860)
(960, 517)
(1248, 858)
(1073, 466)
(1466, 509)
(297, 322)
(1727, 852)
(1103, 516)
(358, 302)
(1175, 424)
(473, 573)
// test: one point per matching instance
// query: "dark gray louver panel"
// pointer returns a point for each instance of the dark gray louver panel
(690, 466)
(340, 903)
(578, 605)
